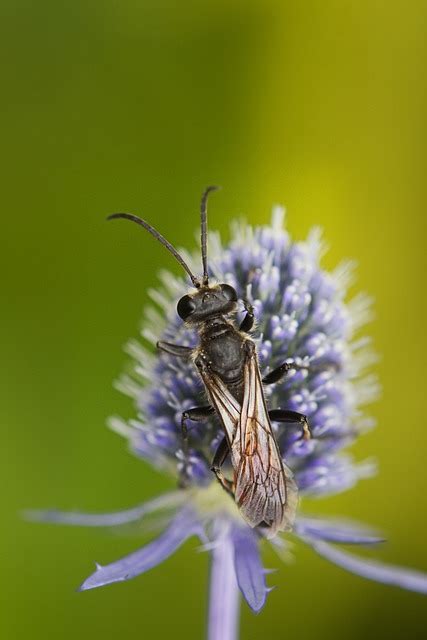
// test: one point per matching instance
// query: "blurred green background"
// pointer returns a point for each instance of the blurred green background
(137, 106)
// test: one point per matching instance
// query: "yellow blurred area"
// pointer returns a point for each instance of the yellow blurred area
(137, 106)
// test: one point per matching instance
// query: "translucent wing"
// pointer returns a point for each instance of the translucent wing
(226, 405)
(263, 486)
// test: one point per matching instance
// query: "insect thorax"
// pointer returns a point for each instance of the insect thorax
(222, 351)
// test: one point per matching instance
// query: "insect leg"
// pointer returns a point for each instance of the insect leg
(280, 371)
(196, 414)
(174, 349)
(248, 321)
(218, 461)
(291, 417)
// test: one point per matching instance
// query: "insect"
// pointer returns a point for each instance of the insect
(262, 484)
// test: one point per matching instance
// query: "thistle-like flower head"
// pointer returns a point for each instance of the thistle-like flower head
(301, 317)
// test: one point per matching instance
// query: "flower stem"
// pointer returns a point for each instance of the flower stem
(223, 623)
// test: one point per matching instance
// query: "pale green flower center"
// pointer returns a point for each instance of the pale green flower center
(213, 500)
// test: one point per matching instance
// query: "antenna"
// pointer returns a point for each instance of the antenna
(204, 230)
(160, 238)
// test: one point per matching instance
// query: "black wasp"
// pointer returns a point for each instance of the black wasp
(226, 358)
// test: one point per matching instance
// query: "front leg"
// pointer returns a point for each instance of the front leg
(248, 321)
(196, 414)
(176, 350)
(291, 417)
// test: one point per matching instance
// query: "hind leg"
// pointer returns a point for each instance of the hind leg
(218, 461)
(291, 417)
(196, 414)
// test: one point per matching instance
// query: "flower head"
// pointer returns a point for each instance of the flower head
(302, 318)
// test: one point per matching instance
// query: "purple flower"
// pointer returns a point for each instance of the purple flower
(302, 318)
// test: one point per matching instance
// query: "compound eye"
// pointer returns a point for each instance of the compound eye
(185, 307)
(229, 293)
